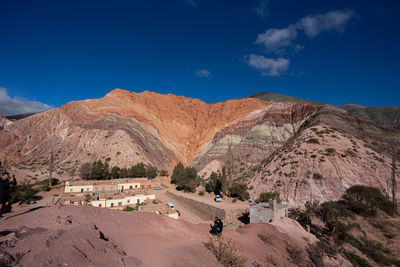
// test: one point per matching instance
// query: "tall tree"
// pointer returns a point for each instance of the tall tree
(85, 171)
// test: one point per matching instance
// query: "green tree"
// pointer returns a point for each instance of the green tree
(177, 173)
(266, 196)
(365, 200)
(22, 193)
(115, 172)
(151, 172)
(239, 191)
(85, 171)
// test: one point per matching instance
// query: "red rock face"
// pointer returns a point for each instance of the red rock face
(123, 126)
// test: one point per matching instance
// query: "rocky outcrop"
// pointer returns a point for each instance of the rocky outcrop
(4, 122)
(254, 137)
(332, 151)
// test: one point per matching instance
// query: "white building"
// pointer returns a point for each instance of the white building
(122, 201)
(78, 188)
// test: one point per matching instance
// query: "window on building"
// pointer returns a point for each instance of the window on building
(112, 205)
(129, 201)
(119, 203)
(71, 190)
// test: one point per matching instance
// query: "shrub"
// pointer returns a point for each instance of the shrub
(330, 151)
(129, 209)
(201, 193)
(317, 176)
(267, 239)
(313, 141)
(266, 196)
(225, 252)
(356, 260)
(350, 152)
(163, 173)
(365, 200)
(22, 193)
(239, 191)
(295, 254)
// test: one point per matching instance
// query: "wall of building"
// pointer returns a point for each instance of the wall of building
(132, 200)
(78, 188)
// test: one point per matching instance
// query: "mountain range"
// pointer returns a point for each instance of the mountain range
(302, 149)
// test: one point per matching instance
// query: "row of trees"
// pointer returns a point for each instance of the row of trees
(102, 171)
(219, 184)
(186, 179)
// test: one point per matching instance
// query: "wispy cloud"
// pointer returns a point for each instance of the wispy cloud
(268, 66)
(192, 3)
(262, 8)
(17, 105)
(202, 73)
(277, 40)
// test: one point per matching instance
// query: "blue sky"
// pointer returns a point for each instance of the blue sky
(333, 51)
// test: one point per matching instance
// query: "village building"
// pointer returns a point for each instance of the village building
(81, 187)
(110, 186)
(267, 212)
(114, 201)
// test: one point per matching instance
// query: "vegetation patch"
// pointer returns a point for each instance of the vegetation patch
(226, 252)
(313, 141)
(318, 176)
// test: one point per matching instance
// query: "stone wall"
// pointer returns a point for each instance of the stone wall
(207, 211)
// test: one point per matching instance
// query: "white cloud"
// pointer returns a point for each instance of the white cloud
(333, 20)
(202, 73)
(276, 39)
(17, 105)
(268, 66)
(262, 8)
(192, 3)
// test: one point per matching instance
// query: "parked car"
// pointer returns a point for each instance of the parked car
(170, 205)
(218, 198)
(28, 202)
(158, 188)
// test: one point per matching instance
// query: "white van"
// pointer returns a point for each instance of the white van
(170, 205)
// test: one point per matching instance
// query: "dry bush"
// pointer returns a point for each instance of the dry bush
(271, 261)
(225, 252)
(267, 239)
(295, 254)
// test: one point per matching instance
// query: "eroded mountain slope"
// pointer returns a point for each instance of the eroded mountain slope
(123, 128)
(332, 151)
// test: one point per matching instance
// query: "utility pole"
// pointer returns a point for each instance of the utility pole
(229, 164)
(394, 182)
